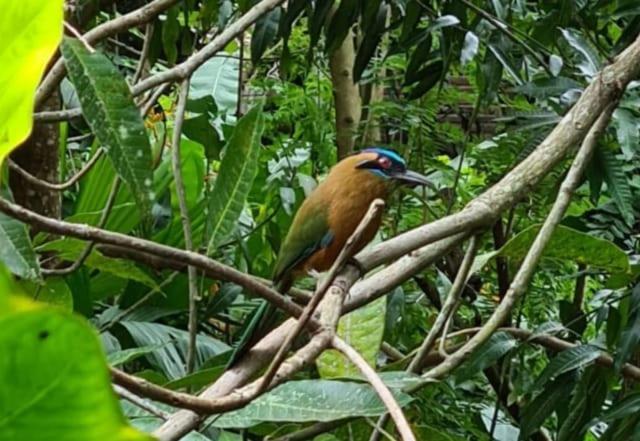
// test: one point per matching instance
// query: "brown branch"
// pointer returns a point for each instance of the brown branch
(63, 185)
(346, 252)
(98, 235)
(524, 274)
(146, 47)
(112, 27)
(402, 425)
(176, 163)
(448, 309)
(483, 211)
(140, 402)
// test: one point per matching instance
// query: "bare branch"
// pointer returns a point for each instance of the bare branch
(346, 252)
(376, 382)
(524, 274)
(63, 185)
(186, 222)
(112, 27)
(146, 46)
(140, 402)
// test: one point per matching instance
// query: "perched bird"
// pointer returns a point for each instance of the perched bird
(326, 220)
(331, 213)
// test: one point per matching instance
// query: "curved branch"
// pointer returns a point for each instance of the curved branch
(524, 274)
(63, 185)
(383, 391)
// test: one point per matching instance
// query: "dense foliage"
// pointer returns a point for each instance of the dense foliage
(464, 90)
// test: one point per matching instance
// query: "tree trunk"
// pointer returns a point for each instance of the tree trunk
(346, 95)
(39, 156)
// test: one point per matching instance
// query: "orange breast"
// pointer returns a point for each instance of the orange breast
(349, 194)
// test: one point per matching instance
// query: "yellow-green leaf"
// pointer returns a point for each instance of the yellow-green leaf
(31, 32)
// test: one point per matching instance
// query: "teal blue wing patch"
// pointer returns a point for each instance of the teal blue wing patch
(304, 238)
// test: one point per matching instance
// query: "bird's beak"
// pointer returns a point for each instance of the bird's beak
(411, 178)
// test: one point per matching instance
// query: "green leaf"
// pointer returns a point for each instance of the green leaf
(200, 130)
(55, 392)
(429, 77)
(544, 404)
(127, 355)
(363, 329)
(237, 172)
(71, 249)
(590, 63)
(373, 35)
(171, 34)
(547, 87)
(469, 48)
(570, 245)
(32, 30)
(264, 33)
(630, 336)
(109, 109)
(16, 250)
(171, 343)
(629, 405)
(586, 403)
(566, 361)
(340, 24)
(498, 345)
(310, 400)
(217, 78)
(52, 290)
(617, 183)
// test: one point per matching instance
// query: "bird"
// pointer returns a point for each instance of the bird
(325, 221)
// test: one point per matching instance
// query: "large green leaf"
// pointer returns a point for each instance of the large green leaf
(566, 244)
(71, 249)
(310, 400)
(566, 361)
(264, 33)
(52, 392)
(109, 109)
(16, 251)
(32, 30)
(363, 329)
(618, 184)
(217, 79)
(170, 358)
(630, 336)
(237, 172)
(491, 351)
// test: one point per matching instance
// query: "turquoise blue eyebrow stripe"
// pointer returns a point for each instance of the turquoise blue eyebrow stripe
(389, 153)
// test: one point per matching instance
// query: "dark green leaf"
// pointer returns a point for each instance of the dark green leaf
(372, 36)
(617, 182)
(109, 109)
(237, 171)
(338, 29)
(498, 345)
(309, 400)
(16, 251)
(567, 361)
(264, 33)
(544, 404)
(420, 55)
(629, 405)
(430, 76)
(630, 336)
(171, 34)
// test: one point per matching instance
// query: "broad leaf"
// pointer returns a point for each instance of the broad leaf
(545, 403)
(170, 344)
(32, 30)
(310, 400)
(264, 33)
(109, 109)
(630, 336)
(617, 183)
(217, 79)
(629, 405)
(370, 41)
(491, 351)
(566, 361)
(55, 392)
(237, 172)
(363, 330)
(16, 250)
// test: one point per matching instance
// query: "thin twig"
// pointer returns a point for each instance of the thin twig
(347, 251)
(132, 19)
(146, 46)
(140, 402)
(111, 199)
(402, 425)
(63, 185)
(186, 222)
(447, 311)
(524, 274)
(79, 36)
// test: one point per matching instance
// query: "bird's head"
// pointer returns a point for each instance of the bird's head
(388, 165)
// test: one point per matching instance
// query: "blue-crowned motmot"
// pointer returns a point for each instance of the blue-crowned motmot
(328, 217)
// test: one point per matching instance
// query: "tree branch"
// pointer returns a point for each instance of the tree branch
(376, 382)
(524, 274)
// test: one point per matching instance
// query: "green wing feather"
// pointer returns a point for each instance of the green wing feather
(308, 233)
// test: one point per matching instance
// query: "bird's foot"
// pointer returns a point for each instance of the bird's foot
(355, 262)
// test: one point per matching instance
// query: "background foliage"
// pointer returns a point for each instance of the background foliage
(464, 90)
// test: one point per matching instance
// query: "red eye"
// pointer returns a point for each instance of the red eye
(384, 162)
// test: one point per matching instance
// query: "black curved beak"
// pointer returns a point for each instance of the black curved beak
(410, 178)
